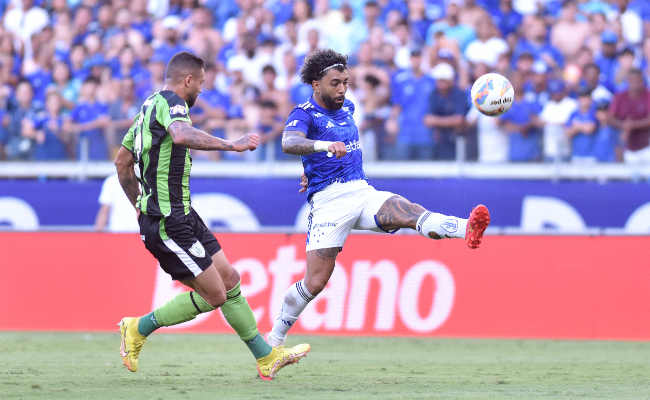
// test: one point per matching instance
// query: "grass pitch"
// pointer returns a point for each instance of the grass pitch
(179, 366)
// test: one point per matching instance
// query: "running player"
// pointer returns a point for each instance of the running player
(153, 167)
(323, 132)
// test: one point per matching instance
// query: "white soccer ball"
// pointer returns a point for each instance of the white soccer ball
(492, 94)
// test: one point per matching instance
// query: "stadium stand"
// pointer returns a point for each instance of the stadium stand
(73, 74)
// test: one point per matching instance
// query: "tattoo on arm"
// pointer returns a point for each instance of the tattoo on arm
(397, 212)
(185, 135)
(295, 142)
(327, 254)
(131, 188)
(126, 174)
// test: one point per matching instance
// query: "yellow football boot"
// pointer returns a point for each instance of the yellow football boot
(279, 358)
(132, 342)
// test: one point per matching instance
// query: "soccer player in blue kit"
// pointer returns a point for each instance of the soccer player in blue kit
(323, 132)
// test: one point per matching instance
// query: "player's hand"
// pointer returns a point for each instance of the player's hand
(303, 183)
(338, 149)
(249, 141)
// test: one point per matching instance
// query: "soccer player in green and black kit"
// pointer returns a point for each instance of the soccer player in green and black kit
(153, 166)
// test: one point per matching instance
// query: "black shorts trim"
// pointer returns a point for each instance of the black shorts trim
(183, 246)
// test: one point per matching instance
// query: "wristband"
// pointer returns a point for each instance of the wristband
(321, 145)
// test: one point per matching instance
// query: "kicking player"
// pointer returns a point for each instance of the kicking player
(153, 167)
(323, 132)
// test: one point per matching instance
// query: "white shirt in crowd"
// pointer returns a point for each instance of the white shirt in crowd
(122, 216)
(487, 52)
(492, 140)
(556, 114)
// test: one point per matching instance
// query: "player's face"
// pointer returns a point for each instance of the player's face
(333, 87)
(195, 88)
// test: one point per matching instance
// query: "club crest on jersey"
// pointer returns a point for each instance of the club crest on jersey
(450, 225)
(178, 109)
(197, 250)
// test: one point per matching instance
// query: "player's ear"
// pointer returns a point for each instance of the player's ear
(188, 80)
(315, 85)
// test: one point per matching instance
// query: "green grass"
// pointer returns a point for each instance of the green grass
(174, 366)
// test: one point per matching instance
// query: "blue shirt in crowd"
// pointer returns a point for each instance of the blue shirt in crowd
(606, 140)
(582, 144)
(524, 146)
(454, 103)
(412, 94)
(52, 149)
(524, 46)
(506, 22)
(86, 112)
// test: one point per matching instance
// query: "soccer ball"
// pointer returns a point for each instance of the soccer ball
(492, 94)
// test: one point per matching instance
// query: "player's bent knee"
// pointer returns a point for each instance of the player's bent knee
(216, 299)
(233, 280)
(315, 285)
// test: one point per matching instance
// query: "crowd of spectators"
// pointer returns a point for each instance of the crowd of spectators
(73, 74)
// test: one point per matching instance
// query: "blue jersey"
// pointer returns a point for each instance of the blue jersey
(318, 123)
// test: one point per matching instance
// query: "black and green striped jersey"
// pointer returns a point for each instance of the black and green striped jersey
(162, 167)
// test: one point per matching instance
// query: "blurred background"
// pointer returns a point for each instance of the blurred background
(572, 155)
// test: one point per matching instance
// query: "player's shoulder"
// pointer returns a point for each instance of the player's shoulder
(171, 98)
(303, 111)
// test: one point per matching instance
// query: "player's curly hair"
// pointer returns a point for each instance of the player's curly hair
(319, 62)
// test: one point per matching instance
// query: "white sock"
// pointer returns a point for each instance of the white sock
(295, 300)
(444, 225)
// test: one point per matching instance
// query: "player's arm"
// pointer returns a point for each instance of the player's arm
(449, 121)
(183, 134)
(124, 162)
(295, 142)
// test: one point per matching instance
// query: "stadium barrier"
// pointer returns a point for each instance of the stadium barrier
(554, 287)
(256, 205)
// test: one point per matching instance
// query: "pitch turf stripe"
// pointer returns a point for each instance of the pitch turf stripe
(182, 254)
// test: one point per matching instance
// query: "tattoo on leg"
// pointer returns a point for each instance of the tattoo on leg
(397, 212)
(327, 254)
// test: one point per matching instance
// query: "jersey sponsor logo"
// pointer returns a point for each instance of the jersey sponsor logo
(353, 146)
(178, 109)
(329, 125)
(197, 250)
(450, 225)
(325, 225)
(318, 115)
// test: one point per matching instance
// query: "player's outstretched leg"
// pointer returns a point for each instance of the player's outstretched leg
(478, 221)
(397, 212)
